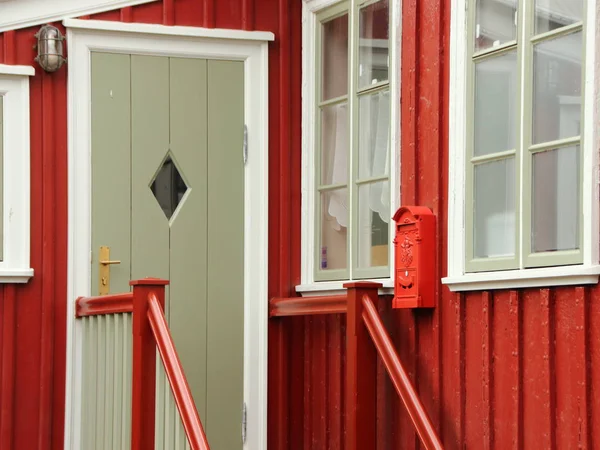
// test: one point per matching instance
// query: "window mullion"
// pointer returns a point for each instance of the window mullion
(352, 166)
(525, 18)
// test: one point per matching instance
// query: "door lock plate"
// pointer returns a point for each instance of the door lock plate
(104, 263)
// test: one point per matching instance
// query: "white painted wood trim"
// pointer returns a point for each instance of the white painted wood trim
(337, 287)
(16, 70)
(457, 138)
(513, 279)
(17, 14)
(310, 9)
(145, 28)
(255, 56)
(457, 278)
(14, 89)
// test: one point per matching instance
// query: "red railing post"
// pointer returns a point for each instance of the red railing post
(361, 371)
(144, 363)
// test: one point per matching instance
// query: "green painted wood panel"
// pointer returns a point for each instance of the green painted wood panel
(145, 109)
(106, 382)
(149, 225)
(111, 166)
(225, 333)
(1, 177)
(189, 227)
(149, 147)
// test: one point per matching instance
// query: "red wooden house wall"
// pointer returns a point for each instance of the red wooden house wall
(506, 369)
(33, 316)
(511, 369)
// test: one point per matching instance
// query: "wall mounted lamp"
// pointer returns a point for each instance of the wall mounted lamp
(50, 48)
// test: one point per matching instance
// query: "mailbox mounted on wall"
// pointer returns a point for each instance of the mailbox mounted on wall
(414, 245)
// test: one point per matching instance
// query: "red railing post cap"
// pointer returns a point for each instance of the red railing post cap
(149, 282)
(363, 285)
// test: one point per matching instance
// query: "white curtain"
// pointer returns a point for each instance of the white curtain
(374, 160)
(338, 200)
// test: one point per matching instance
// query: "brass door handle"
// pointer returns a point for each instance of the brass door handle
(104, 263)
(109, 262)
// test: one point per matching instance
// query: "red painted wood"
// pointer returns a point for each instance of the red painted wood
(571, 373)
(126, 14)
(361, 371)
(407, 343)
(476, 375)
(400, 379)
(106, 304)
(453, 377)
(529, 363)
(538, 369)
(143, 385)
(34, 390)
(48, 266)
(306, 306)
(247, 15)
(7, 375)
(507, 382)
(177, 380)
(168, 12)
(209, 13)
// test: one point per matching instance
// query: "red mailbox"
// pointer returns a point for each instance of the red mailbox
(414, 245)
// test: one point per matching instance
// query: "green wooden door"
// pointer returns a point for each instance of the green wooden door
(168, 199)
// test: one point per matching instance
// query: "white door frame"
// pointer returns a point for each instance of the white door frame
(85, 36)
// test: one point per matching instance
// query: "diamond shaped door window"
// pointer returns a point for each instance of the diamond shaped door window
(168, 187)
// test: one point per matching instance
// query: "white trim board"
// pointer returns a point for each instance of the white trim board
(457, 279)
(15, 14)
(255, 55)
(14, 89)
(214, 33)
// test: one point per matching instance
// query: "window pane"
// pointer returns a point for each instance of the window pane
(494, 215)
(374, 43)
(374, 135)
(553, 14)
(496, 98)
(334, 52)
(495, 24)
(168, 187)
(334, 144)
(373, 224)
(334, 226)
(557, 88)
(555, 224)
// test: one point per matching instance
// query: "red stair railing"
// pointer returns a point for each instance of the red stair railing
(365, 338)
(150, 330)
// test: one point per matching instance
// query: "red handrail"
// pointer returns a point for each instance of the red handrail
(307, 306)
(399, 377)
(177, 380)
(105, 304)
(150, 330)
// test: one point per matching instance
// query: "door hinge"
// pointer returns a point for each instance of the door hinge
(245, 144)
(244, 422)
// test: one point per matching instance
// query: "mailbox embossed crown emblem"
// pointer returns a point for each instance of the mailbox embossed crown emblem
(406, 251)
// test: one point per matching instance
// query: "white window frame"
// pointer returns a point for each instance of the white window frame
(14, 89)
(310, 10)
(586, 273)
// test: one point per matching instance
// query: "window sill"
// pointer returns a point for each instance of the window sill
(15, 275)
(515, 279)
(337, 287)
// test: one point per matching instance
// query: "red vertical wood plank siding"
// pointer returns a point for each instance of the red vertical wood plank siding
(538, 369)
(33, 316)
(500, 370)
